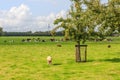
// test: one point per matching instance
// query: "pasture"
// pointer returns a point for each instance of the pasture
(27, 61)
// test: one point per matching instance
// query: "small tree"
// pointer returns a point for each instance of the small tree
(78, 25)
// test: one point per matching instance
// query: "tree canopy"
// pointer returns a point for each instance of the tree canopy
(88, 16)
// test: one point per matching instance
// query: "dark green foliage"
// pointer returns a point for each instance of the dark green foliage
(29, 33)
(1, 31)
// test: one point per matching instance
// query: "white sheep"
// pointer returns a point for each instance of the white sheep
(49, 60)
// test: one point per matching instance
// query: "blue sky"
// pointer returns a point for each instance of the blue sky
(31, 15)
(38, 7)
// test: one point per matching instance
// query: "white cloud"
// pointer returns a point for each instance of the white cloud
(44, 21)
(15, 16)
(21, 19)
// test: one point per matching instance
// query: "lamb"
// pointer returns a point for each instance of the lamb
(49, 60)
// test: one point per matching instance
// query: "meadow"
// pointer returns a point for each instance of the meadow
(27, 60)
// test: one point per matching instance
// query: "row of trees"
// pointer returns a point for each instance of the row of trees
(28, 33)
(88, 16)
(1, 31)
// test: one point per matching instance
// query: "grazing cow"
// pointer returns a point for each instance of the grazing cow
(109, 46)
(11, 41)
(28, 40)
(37, 40)
(49, 60)
(52, 40)
(43, 40)
(109, 39)
(67, 39)
(59, 45)
(62, 39)
(23, 40)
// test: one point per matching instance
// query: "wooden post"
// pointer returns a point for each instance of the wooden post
(85, 53)
(78, 55)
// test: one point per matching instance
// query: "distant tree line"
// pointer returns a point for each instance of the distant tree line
(43, 33)
(1, 31)
(30, 33)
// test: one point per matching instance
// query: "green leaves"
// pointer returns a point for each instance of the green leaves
(81, 23)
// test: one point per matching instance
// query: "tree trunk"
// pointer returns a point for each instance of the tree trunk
(77, 54)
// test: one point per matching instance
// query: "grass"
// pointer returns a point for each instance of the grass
(27, 61)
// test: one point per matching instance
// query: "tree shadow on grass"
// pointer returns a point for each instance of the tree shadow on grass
(112, 60)
(90, 60)
(57, 64)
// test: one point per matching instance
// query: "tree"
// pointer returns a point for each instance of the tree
(95, 17)
(77, 25)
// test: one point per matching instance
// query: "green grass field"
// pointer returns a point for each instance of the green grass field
(27, 61)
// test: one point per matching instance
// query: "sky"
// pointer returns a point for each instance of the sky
(31, 15)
